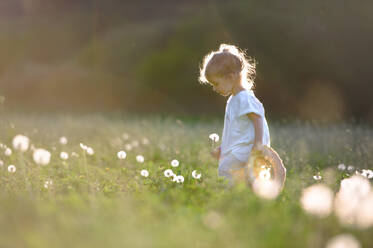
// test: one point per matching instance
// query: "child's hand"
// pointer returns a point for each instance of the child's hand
(257, 148)
(216, 152)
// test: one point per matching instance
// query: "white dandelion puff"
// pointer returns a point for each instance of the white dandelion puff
(144, 173)
(125, 136)
(168, 173)
(84, 147)
(21, 143)
(90, 151)
(48, 184)
(41, 156)
(135, 143)
(140, 158)
(179, 179)
(341, 167)
(214, 137)
(349, 199)
(64, 155)
(8, 152)
(121, 154)
(343, 241)
(266, 189)
(317, 200)
(174, 163)
(145, 141)
(195, 175)
(317, 177)
(11, 168)
(350, 168)
(128, 147)
(63, 140)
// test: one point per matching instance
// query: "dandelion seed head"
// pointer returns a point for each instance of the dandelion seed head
(195, 175)
(266, 189)
(317, 177)
(174, 163)
(127, 147)
(144, 173)
(121, 154)
(64, 155)
(11, 168)
(214, 137)
(84, 147)
(343, 241)
(179, 179)
(21, 143)
(349, 199)
(41, 156)
(145, 141)
(350, 168)
(168, 173)
(140, 158)
(8, 152)
(125, 136)
(317, 200)
(90, 151)
(63, 140)
(341, 167)
(135, 143)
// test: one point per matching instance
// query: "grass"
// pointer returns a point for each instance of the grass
(101, 201)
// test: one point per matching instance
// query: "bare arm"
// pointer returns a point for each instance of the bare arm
(258, 127)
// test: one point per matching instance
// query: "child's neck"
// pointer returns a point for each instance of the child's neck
(236, 89)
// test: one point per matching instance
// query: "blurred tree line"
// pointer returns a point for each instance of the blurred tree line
(313, 57)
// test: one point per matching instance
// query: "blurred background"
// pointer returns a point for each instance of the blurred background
(313, 57)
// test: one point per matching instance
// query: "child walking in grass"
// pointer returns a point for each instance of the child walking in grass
(245, 130)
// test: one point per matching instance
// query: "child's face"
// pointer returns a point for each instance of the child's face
(221, 85)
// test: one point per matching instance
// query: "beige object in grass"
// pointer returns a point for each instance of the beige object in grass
(266, 165)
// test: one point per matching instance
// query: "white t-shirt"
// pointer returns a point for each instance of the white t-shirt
(239, 133)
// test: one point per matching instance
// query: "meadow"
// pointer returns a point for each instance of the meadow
(97, 198)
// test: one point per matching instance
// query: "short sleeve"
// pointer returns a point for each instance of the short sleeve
(248, 103)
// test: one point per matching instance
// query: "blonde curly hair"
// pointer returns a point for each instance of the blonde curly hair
(228, 59)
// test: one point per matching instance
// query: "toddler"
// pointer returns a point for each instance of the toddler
(245, 127)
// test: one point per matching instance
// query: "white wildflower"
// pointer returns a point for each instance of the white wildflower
(140, 158)
(144, 173)
(63, 140)
(179, 179)
(64, 155)
(195, 175)
(128, 147)
(11, 168)
(90, 151)
(125, 136)
(8, 152)
(174, 163)
(168, 173)
(145, 141)
(84, 147)
(121, 154)
(48, 184)
(350, 167)
(341, 167)
(41, 156)
(343, 241)
(21, 143)
(317, 177)
(317, 200)
(214, 137)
